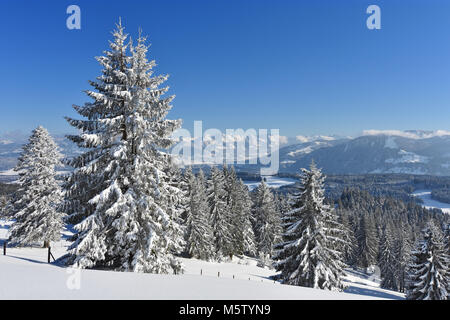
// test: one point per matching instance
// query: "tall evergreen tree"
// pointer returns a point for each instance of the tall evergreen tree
(402, 256)
(308, 257)
(121, 189)
(188, 183)
(219, 214)
(241, 211)
(36, 208)
(267, 222)
(349, 245)
(428, 271)
(230, 187)
(367, 242)
(176, 201)
(386, 261)
(199, 240)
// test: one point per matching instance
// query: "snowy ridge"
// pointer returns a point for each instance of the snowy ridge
(412, 152)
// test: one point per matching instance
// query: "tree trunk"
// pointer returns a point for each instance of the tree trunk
(46, 244)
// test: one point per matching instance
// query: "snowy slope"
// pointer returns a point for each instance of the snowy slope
(24, 274)
(429, 203)
(23, 280)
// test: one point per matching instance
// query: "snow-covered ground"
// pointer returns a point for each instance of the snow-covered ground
(271, 181)
(429, 203)
(369, 285)
(25, 274)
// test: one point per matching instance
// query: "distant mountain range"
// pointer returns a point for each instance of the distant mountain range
(413, 152)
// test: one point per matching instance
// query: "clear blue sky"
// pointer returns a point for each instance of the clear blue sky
(306, 67)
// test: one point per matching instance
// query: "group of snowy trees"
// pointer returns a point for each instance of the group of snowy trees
(303, 235)
(132, 208)
(391, 234)
(218, 215)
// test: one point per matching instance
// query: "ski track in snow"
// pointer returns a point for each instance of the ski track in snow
(429, 203)
(25, 274)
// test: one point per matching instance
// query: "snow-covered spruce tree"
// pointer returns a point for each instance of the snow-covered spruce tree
(230, 186)
(284, 254)
(176, 201)
(248, 235)
(267, 222)
(338, 236)
(307, 256)
(386, 260)
(349, 245)
(402, 255)
(240, 206)
(428, 270)
(199, 236)
(129, 213)
(242, 220)
(37, 214)
(367, 242)
(219, 214)
(188, 182)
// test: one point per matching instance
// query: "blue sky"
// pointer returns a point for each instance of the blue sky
(305, 67)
